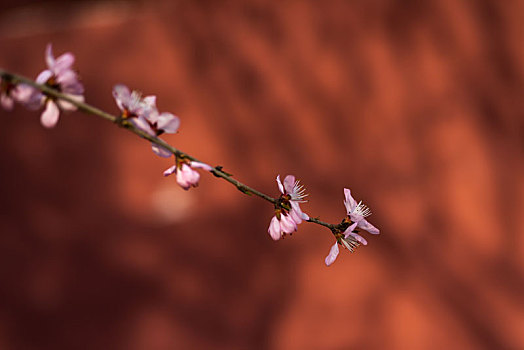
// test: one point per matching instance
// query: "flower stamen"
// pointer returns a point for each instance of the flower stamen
(350, 243)
(362, 210)
(299, 193)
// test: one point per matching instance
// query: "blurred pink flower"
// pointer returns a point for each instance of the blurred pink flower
(144, 115)
(6, 98)
(132, 104)
(21, 93)
(161, 123)
(62, 78)
(185, 175)
(28, 96)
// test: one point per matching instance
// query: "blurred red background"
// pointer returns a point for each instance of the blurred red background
(416, 106)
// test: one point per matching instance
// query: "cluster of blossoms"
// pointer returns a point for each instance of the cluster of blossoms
(140, 111)
(59, 76)
(143, 114)
(288, 216)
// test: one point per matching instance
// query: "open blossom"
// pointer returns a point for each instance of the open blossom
(63, 78)
(186, 176)
(161, 123)
(347, 240)
(131, 103)
(288, 213)
(357, 212)
(144, 115)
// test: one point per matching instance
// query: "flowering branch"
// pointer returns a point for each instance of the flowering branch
(58, 88)
(124, 123)
(87, 108)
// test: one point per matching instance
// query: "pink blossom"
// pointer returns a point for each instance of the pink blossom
(161, 123)
(349, 242)
(288, 213)
(21, 93)
(28, 96)
(131, 103)
(280, 225)
(7, 102)
(185, 175)
(144, 115)
(61, 77)
(6, 99)
(357, 212)
(296, 194)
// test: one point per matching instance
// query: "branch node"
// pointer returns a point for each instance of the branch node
(221, 169)
(244, 190)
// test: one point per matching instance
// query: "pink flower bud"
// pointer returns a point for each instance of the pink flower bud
(186, 176)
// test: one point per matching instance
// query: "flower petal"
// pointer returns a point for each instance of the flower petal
(349, 202)
(142, 124)
(192, 175)
(280, 187)
(6, 102)
(150, 100)
(356, 217)
(182, 181)
(295, 216)
(28, 96)
(63, 63)
(287, 224)
(358, 238)
(122, 95)
(187, 177)
(44, 76)
(350, 229)
(170, 170)
(274, 229)
(365, 225)
(49, 116)
(49, 58)
(136, 105)
(289, 184)
(160, 151)
(75, 88)
(200, 165)
(68, 106)
(296, 207)
(168, 122)
(67, 78)
(333, 253)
